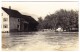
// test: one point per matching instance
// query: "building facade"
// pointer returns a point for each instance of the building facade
(9, 24)
(13, 21)
(5, 22)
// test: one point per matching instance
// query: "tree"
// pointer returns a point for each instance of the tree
(40, 21)
(61, 18)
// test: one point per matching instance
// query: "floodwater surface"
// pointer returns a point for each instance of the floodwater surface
(40, 41)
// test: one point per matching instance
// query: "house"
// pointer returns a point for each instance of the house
(59, 29)
(14, 21)
(5, 22)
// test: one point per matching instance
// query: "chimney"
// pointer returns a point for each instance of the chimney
(9, 10)
(9, 7)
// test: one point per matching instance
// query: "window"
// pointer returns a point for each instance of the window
(5, 26)
(18, 20)
(17, 26)
(5, 19)
(2, 14)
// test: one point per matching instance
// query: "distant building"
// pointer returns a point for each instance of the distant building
(14, 21)
(59, 29)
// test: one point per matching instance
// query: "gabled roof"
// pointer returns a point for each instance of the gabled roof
(29, 19)
(12, 13)
(16, 14)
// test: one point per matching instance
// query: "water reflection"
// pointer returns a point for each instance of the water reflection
(40, 41)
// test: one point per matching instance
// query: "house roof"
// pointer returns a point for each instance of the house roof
(29, 19)
(12, 13)
(17, 14)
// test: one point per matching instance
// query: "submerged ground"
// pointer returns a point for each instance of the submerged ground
(40, 41)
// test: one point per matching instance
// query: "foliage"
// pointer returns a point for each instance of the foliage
(63, 18)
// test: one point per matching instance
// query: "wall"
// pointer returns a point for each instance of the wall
(13, 24)
(5, 15)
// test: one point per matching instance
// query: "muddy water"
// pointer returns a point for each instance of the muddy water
(40, 41)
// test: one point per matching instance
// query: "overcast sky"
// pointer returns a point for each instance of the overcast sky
(37, 9)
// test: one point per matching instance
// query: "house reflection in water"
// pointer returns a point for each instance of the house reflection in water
(17, 22)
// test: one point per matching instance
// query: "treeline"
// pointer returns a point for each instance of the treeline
(65, 19)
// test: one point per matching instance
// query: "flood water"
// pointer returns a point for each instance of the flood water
(39, 41)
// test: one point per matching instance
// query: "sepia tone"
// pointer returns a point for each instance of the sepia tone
(57, 31)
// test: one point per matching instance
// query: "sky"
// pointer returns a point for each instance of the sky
(40, 9)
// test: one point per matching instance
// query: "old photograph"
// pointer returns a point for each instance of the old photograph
(40, 26)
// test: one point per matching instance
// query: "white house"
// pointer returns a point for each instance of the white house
(59, 29)
(9, 23)
(13, 21)
(5, 22)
